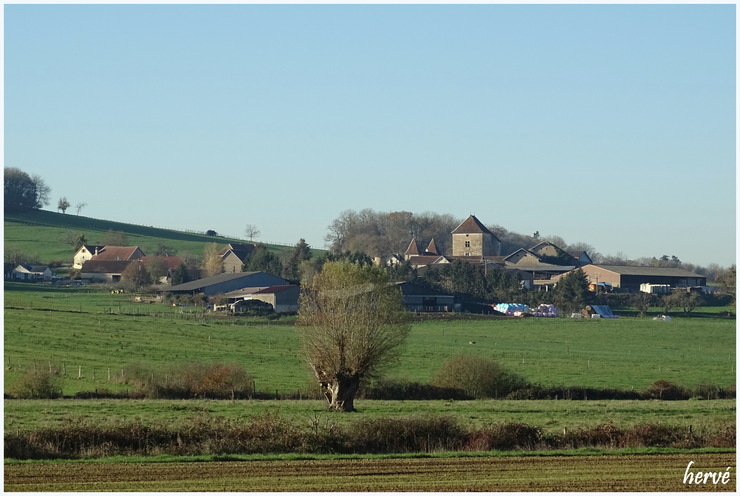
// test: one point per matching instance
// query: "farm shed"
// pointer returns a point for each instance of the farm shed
(103, 270)
(223, 283)
(28, 272)
(631, 277)
(283, 298)
(420, 299)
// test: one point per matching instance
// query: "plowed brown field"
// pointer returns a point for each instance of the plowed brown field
(547, 473)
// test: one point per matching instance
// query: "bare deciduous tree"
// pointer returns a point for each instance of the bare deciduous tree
(80, 206)
(351, 321)
(252, 232)
(212, 264)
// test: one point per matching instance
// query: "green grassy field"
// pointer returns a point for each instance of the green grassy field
(98, 331)
(94, 334)
(551, 416)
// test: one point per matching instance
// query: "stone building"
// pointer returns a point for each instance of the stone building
(473, 239)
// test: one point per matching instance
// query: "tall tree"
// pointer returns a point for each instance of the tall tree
(301, 253)
(263, 260)
(212, 264)
(136, 276)
(63, 204)
(351, 322)
(571, 292)
(24, 192)
(251, 232)
(180, 275)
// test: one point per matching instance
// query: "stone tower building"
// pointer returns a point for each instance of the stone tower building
(473, 239)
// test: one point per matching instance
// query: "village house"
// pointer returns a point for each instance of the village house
(105, 253)
(234, 256)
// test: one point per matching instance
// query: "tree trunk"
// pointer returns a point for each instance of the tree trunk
(340, 392)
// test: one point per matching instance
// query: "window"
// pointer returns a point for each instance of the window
(467, 244)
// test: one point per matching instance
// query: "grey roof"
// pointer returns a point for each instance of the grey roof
(633, 270)
(210, 281)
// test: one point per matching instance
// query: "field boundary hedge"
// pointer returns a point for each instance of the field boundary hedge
(273, 433)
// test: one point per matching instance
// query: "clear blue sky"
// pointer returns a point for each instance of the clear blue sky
(612, 125)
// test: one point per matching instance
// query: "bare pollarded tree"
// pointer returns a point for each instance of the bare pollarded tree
(351, 321)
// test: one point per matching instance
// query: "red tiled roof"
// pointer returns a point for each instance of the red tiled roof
(413, 248)
(115, 253)
(471, 225)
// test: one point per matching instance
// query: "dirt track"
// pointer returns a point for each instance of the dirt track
(551, 473)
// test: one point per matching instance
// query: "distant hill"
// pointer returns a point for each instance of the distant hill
(43, 234)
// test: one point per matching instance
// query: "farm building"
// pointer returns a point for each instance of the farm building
(283, 298)
(223, 283)
(420, 299)
(105, 253)
(472, 239)
(103, 270)
(630, 278)
(29, 272)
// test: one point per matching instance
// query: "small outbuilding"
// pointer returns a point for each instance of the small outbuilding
(31, 273)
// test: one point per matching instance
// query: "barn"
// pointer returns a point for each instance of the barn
(223, 283)
(630, 278)
(420, 299)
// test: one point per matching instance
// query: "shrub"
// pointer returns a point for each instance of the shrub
(505, 437)
(38, 384)
(401, 435)
(478, 376)
(665, 390)
(404, 390)
(191, 380)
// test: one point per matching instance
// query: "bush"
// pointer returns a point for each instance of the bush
(505, 437)
(38, 384)
(477, 376)
(404, 390)
(191, 380)
(665, 390)
(401, 435)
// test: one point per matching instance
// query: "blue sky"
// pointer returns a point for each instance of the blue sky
(612, 125)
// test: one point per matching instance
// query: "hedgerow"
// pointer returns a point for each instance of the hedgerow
(271, 432)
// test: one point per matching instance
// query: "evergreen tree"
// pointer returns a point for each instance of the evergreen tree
(571, 293)
(301, 252)
(263, 260)
(180, 275)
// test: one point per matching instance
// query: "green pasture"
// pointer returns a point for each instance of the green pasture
(94, 335)
(551, 415)
(41, 233)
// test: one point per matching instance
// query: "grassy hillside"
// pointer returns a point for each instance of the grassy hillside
(41, 233)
